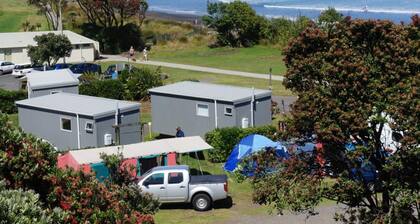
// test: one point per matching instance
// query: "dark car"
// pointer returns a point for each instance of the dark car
(61, 66)
(85, 68)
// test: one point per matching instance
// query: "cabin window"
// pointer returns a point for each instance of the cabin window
(175, 178)
(89, 127)
(65, 124)
(228, 111)
(203, 110)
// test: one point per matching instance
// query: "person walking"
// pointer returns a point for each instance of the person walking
(145, 54)
(131, 53)
(179, 133)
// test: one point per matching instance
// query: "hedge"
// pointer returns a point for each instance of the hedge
(8, 98)
(224, 139)
(112, 89)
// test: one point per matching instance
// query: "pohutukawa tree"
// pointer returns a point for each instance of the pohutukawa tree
(355, 82)
(50, 48)
(112, 13)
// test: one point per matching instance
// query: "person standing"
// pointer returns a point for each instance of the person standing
(145, 54)
(131, 52)
(179, 133)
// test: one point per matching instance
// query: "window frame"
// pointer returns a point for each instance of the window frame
(148, 183)
(177, 172)
(226, 113)
(89, 130)
(202, 104)
(61, 124)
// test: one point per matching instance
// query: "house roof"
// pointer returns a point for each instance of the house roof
(23, 39)
(78, 104)
(53, 78)
(210, 91)
(143, 149)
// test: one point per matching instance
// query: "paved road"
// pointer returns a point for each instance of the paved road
(9, 82)
(194, 68)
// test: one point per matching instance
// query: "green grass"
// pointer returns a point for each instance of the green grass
(257, 59)
(241, 194)
(14, 12)
(14, 119)
(176, 75)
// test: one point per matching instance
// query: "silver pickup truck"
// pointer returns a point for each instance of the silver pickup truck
(174, 184)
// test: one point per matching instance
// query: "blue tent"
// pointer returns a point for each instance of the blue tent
(249, 145)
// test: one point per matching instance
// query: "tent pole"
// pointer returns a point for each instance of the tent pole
(199, 165)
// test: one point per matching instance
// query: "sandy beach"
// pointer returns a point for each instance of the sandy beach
(194, 19)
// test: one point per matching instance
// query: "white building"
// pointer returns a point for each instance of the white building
(14, 46)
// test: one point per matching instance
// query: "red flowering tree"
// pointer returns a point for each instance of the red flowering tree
(354, 81)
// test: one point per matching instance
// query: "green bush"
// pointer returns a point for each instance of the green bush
(140, 81)
(24, 207)
(224, 139)
(8, 98)
(112, 89)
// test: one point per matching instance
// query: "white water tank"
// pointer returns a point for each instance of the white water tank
(245, 122)
(108, 139)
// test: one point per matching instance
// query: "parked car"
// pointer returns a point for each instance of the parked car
(61, 66)
(6, 67)
(85, 68)
(174, 184)
(41, 68)
(119, 68)
(22, 69)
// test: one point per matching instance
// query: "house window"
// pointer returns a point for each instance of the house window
(228, 111)
(65, 124)
(89, 127)
(203, 110)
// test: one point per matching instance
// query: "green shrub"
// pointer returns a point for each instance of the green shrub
(8, 98)
(224, 139)
(140, 81)
(24, 207)
(112, 89)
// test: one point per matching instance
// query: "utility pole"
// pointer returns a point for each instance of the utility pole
(270, 74)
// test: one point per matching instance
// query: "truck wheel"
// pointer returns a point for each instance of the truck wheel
(201, 202)
(1, 72)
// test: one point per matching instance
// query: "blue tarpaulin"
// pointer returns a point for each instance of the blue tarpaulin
(249, 145)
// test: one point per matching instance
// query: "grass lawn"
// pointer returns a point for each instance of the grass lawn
(240, 193)
(176, 75)
(256, 59)
(14, 12)
(14, 119)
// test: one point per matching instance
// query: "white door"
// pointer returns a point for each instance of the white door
(155, 185)
(177, 187)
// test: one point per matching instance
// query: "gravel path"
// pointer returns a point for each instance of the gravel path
(194, 68)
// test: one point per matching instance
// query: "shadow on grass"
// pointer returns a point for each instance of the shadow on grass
(220, 204)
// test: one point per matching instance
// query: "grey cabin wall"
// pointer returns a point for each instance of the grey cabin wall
(47, 125)
(169, 112)
(129, 135)
(262, 112)
(42, 92)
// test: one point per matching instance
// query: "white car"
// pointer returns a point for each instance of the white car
(21, 70)
(6, 67)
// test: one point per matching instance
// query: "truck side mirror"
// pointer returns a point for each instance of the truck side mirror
(146, 184)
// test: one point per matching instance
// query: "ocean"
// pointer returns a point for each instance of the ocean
(395, 10)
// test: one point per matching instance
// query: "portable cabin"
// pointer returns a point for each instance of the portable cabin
(71, 121)
(51, 82)
(199, 107)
